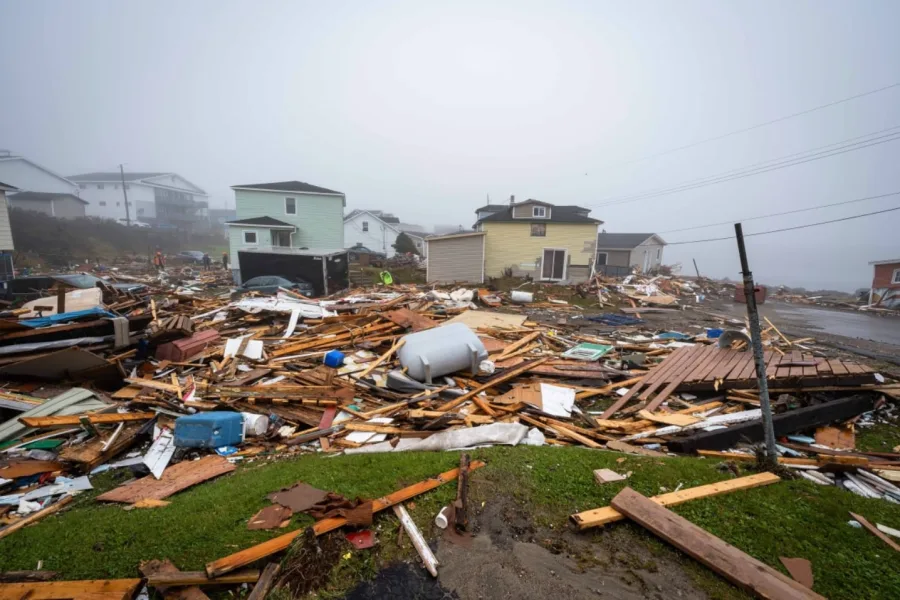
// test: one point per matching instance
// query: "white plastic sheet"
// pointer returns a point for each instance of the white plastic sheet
(507, 434)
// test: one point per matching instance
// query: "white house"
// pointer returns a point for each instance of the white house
(373, 229)
(162, 199)
(28, 176)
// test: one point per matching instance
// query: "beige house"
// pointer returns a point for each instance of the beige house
(61, 206)
(531, 238)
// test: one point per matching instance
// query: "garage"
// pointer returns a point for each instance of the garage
(456, 258)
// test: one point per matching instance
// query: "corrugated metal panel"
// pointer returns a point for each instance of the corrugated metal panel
(456, 259)
(72, 402)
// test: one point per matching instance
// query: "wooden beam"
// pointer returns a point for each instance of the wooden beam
(245, 557)
(95, 419)
(187, 578)
(734, 565)
(516, 345)
(875, 531)
(608, 514)
(95, 589)
(381, 359)
(266, 581)
(504, 377)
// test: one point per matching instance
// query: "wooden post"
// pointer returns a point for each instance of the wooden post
(462, 494)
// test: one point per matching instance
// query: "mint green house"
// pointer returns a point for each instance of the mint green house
(283, 215)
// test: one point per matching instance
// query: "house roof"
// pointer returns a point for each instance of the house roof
(375, 215)
(492, 207)
(45, 196)
(7, 188)
(260, 222)
(434, 238)
(112, 176)
(623, 241)
(287, 186)
(558, 214)
(885, 262)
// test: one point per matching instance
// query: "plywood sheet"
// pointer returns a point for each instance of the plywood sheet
(174, 479)
(479, 318)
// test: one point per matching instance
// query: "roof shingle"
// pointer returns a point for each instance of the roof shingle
(287, 186)
(260, 222)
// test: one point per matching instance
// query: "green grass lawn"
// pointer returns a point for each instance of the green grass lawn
(791, 518)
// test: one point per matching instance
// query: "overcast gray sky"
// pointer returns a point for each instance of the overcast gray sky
(425, 108)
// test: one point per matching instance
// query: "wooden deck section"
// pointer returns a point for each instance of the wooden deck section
(704, 368)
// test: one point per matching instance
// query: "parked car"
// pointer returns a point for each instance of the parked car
(134, 223)
(29, 288)
(269, 284)
(366, 256)
(190, 256)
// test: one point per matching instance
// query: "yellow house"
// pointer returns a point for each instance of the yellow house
(531, 238)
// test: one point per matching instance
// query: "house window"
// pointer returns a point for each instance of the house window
(102, 203)
(365, 225)
(539, 212)
(658, 253)
(250, 237)
(82, 186)
(538, 229)
(602, 257)
(99, 186)
(290, 206)
(896, 277)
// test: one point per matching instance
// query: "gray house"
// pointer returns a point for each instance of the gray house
(61, 206)
(6, 239)
(619, 253)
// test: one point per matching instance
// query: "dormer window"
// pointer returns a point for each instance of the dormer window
(539, 212)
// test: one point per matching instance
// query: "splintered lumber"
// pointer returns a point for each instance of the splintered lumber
(502, 378)
(154, 385)
(288, 392)
(875, 531)
(511, 349)
(174, 479)
(734, 565)
(94, 419)
(185, 578)
(431, 563)
(668, 418)
(608, 514)
(34, 517)
(266, 581)
(152, 568)
(94, 589)
(381, 359)
(784, 424)
(254, 553)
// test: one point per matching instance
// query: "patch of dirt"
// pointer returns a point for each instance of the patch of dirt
(508, 558)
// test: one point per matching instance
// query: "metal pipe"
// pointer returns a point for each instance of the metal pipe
(756, 343)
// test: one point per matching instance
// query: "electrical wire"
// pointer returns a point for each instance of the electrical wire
(759, 125)
(751, 170)
(778, 214)
(719, 239)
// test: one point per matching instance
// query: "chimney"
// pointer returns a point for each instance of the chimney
(512, 200)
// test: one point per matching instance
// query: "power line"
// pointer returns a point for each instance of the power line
(763, 124)
(778, 214)
(756, 170)
(719, 239)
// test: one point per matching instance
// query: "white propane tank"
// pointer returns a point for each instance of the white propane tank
(441, 351)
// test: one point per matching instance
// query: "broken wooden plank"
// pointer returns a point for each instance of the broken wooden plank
(174, 479)
(249, 555)
(505, 376)
(266, 581)
(94, 419)
(94, 589)
(734, 565)
(185, 578)
(668, 418)
(875, 531)
(155, 567)
(607, 514)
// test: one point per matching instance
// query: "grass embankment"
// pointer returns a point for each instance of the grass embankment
(791, 518)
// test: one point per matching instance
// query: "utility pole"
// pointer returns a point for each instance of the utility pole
(696, 270)
(125, 193)
(756, 342)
